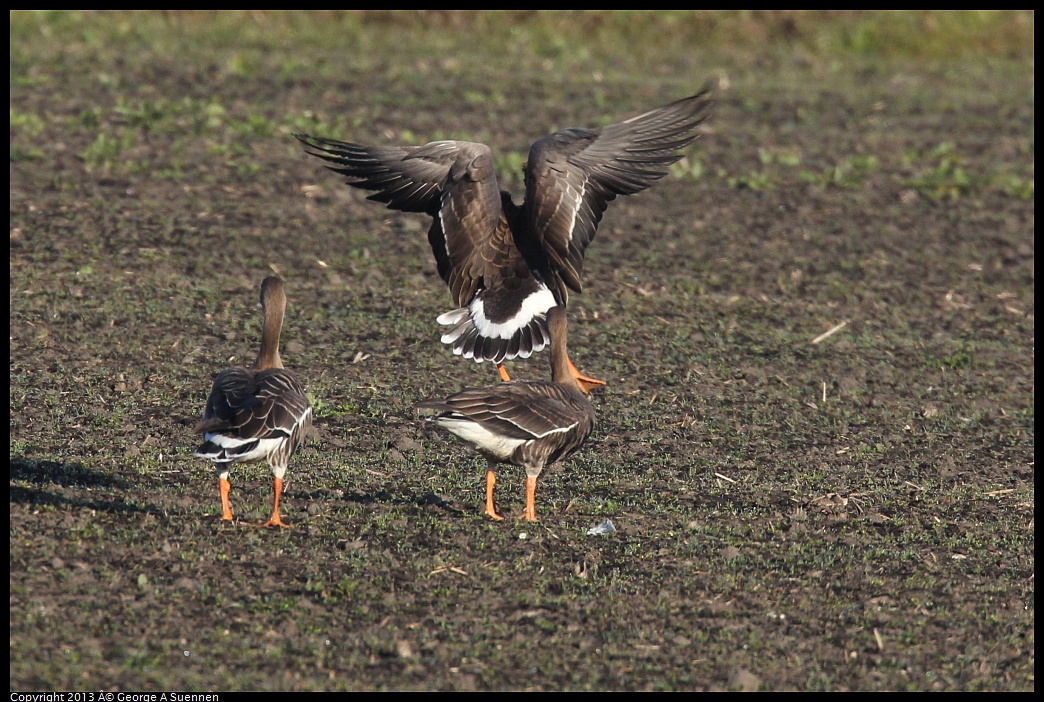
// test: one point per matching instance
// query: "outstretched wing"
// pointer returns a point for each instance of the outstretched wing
(573, 174)
(452, 181)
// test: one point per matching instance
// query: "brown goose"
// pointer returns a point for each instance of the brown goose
(257, 413)
(506, 264)
(528, 424)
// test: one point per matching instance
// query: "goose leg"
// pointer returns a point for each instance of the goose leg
(491, 480)
(226, 508)
(503, 373)
(530, 512)
(586, 382)
(275, 520)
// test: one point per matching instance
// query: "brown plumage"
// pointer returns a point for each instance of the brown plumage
(257, 413)
(505, 264)
(528, 424)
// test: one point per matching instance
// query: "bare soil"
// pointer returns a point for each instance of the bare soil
(793, 509)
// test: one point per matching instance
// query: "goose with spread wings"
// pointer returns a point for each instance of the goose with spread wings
(257, 413)
(506, 265)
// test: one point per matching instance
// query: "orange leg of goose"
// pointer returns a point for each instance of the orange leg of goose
(275, 520)
(226, 508)
(503, 373)
(491, 480)
(530, 512)
(586, 382)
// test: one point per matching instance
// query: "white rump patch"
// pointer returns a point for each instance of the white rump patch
(535, 305)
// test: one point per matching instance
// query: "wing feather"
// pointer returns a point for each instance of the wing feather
(573, 174)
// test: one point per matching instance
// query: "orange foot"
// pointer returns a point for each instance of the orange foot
(275, 520)
(586, 382)
(503, 373)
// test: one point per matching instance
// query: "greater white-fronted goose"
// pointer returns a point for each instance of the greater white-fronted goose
(505, 264)
(524, 423)
(257, 413)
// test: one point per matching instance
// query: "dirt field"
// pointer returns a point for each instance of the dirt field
(817, 438)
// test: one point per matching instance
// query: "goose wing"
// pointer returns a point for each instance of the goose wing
(573, 174)
(286, 406)
(517, 410)
(452, 181)
(245, 409)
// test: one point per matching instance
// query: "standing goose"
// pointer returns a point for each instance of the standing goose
(257, 413)
(506, 264)
(524, 423)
